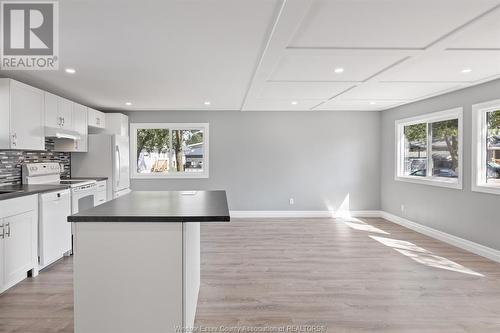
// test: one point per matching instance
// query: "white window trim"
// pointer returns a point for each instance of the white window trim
(454, 183)
(133, 144)
(479, 134)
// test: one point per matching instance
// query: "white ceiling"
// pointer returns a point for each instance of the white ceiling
(260, 55)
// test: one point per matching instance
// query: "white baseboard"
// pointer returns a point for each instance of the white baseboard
(301, 213)
(465, 244)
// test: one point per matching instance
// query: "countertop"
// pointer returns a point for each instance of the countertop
(22, 190)
(160, 206)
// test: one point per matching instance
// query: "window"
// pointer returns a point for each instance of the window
(486, 147)
(173, 150)
(429, 149)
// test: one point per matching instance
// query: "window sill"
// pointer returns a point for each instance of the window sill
(172, 176)
(448, 183)
(483, 188)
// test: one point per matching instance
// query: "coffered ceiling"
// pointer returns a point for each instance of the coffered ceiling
(374, 54)
(264, 55)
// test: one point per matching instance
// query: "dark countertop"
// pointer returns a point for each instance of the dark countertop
(160, 206)
(91, 177)
(22, 190)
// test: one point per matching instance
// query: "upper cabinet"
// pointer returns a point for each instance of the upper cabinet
(28, 115)
(96, 118)
(21, 116)
(65, 108)
(77, 115)
(80, 116)
(117, 123)
(58, 112)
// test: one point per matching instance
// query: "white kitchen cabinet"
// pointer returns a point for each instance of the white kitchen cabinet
(21, 116)
(117, 123)
(101, 193)
(18, 245)
(80, 119)
(2, 255)
(96, 119)
(79, 122)
(52, 116)
(65, 108)
(58, 112)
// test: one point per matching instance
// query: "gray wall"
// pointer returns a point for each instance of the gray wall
(264, 158)
(463, 213)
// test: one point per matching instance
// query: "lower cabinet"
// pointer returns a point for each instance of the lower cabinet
(101, 193)
(18, 239)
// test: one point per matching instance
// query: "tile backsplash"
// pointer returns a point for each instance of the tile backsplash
(12, 160)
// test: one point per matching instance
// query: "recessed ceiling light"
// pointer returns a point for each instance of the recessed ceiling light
(70, 70)
(128, 103)
(295, 102)
(373, 103)
(338, 70)
(466, 70)
(207, 103)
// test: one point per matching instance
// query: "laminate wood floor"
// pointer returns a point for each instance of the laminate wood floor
(324, 272)
(40, 305)
(366, 275)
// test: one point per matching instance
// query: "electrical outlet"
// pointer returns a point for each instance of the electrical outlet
(292, 201)
(403, 208)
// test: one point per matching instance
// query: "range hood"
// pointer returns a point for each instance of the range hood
(59, 133)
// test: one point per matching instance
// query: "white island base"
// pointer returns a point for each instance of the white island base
(136, 277)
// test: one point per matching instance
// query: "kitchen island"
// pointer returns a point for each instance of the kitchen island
(137, 260)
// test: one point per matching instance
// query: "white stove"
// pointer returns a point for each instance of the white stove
(73, 183)
(82, 190)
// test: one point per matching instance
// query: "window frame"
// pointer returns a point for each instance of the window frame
(429, 179)
(170, 126)
(479, 136)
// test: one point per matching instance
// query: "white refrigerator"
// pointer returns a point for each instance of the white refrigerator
(108, 156)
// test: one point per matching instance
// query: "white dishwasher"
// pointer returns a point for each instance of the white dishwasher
(54, 234)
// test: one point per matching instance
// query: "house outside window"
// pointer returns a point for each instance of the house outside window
(486, 147)
(429, 149)
(169, 150)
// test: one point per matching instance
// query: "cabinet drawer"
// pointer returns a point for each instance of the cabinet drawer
(100, 198)
(101, 186)
(19, 205)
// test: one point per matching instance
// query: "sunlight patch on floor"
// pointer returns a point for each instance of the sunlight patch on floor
(424, 256)
(365, 227)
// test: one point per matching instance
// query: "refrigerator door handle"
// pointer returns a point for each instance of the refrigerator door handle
(118, 162)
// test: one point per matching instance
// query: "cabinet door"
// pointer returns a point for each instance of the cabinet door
(91, 118)
(18, 247)
(51, 113)
(100, 119)
(96, 118)
(80, 126)
(99, 198)
(26, 117)
(65, 110)
(1, 258)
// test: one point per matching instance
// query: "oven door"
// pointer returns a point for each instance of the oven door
(82, 198)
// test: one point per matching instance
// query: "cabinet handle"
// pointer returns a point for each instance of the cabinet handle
(2, 235)
(63, 121)
(7, 234)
